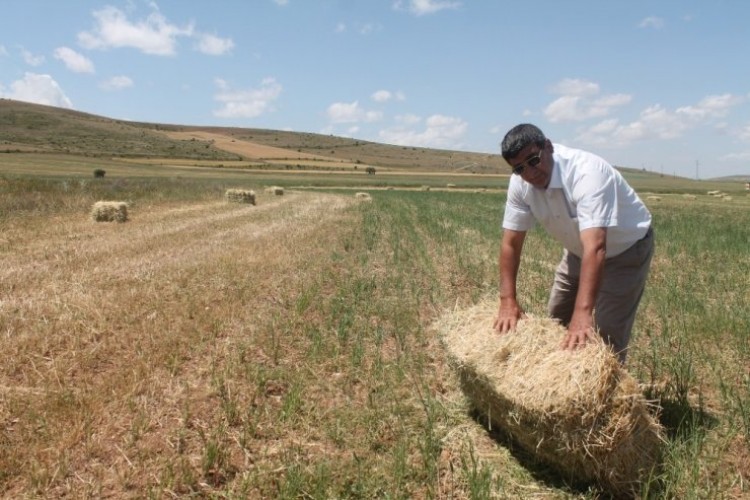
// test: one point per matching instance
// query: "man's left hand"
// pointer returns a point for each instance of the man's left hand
(580, 330)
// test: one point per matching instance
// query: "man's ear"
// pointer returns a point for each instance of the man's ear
(549, 145)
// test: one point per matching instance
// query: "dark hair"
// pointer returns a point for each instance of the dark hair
(519, 137)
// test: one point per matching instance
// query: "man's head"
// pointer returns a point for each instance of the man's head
(529, 153)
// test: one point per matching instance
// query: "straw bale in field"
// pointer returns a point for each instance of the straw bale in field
(363, 196)
(579, 411)
(654, 198)
(110, 211)
(240, 196)
(277, 190)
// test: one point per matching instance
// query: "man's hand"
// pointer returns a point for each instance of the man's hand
(508, 315)
(580, 331)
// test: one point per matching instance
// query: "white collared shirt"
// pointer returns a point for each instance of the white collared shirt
(584, 192)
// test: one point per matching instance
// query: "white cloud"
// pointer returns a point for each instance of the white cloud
(387, 95)
(74, 61)
(575, 87)
(422, 7)
(153, 35)
(651, 22)
(3, 50)
(713, 106)
(340, 28)
(281, 2)
(31, 59)
(39, 89)
(579, 101)
(213, 45)
(381, 96)
(351, 112)
(657, 122)
(117, 83)
(441, 131)
(247, 103)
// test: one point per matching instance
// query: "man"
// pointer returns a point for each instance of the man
(602, 224)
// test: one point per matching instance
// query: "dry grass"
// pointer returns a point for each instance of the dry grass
(114, 341)
(245, 148)
(579, 411)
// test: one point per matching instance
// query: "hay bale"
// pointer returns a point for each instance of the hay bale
(110, 211)
(277, 190)
(654, 198)
(240, 196)
(578, 411)
(363, 196)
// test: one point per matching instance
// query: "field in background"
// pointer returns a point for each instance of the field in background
(286, 350)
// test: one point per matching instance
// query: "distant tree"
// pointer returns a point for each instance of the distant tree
(99, 173)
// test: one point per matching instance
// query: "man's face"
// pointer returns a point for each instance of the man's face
(534, 164)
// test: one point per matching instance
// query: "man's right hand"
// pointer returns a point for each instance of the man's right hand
(508, 314)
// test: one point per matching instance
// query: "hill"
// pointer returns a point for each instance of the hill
(27, 127)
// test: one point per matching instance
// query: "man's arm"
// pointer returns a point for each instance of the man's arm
(581, 325)
(509, 261)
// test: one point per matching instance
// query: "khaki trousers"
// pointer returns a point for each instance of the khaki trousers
(622, 286)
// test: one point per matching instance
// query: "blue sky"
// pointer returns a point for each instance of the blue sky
(661, 85)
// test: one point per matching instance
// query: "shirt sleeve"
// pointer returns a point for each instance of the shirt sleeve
(518, 216)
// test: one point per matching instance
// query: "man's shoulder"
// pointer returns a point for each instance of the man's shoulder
(578, 155)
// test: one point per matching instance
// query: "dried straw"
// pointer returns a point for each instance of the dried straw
(110, 211)
(578, 411)
(240, 196)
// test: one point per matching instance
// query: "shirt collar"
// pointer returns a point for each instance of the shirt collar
(555, 180)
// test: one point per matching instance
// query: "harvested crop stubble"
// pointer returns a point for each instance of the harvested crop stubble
(578, 411)
(110, 211)
(240, 196)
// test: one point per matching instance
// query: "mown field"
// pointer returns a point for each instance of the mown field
(287, 349)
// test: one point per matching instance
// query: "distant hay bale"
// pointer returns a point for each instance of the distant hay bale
(110, 211)
(425, 188)
(363, 196)
(450, 185)
(689, 196)
(240, 196)
(578, 411)
(654, 198)
(726, 197)
(277, 190)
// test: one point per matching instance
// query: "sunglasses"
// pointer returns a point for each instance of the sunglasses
(531, 161)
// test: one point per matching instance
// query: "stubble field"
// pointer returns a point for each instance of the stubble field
(286, 350)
